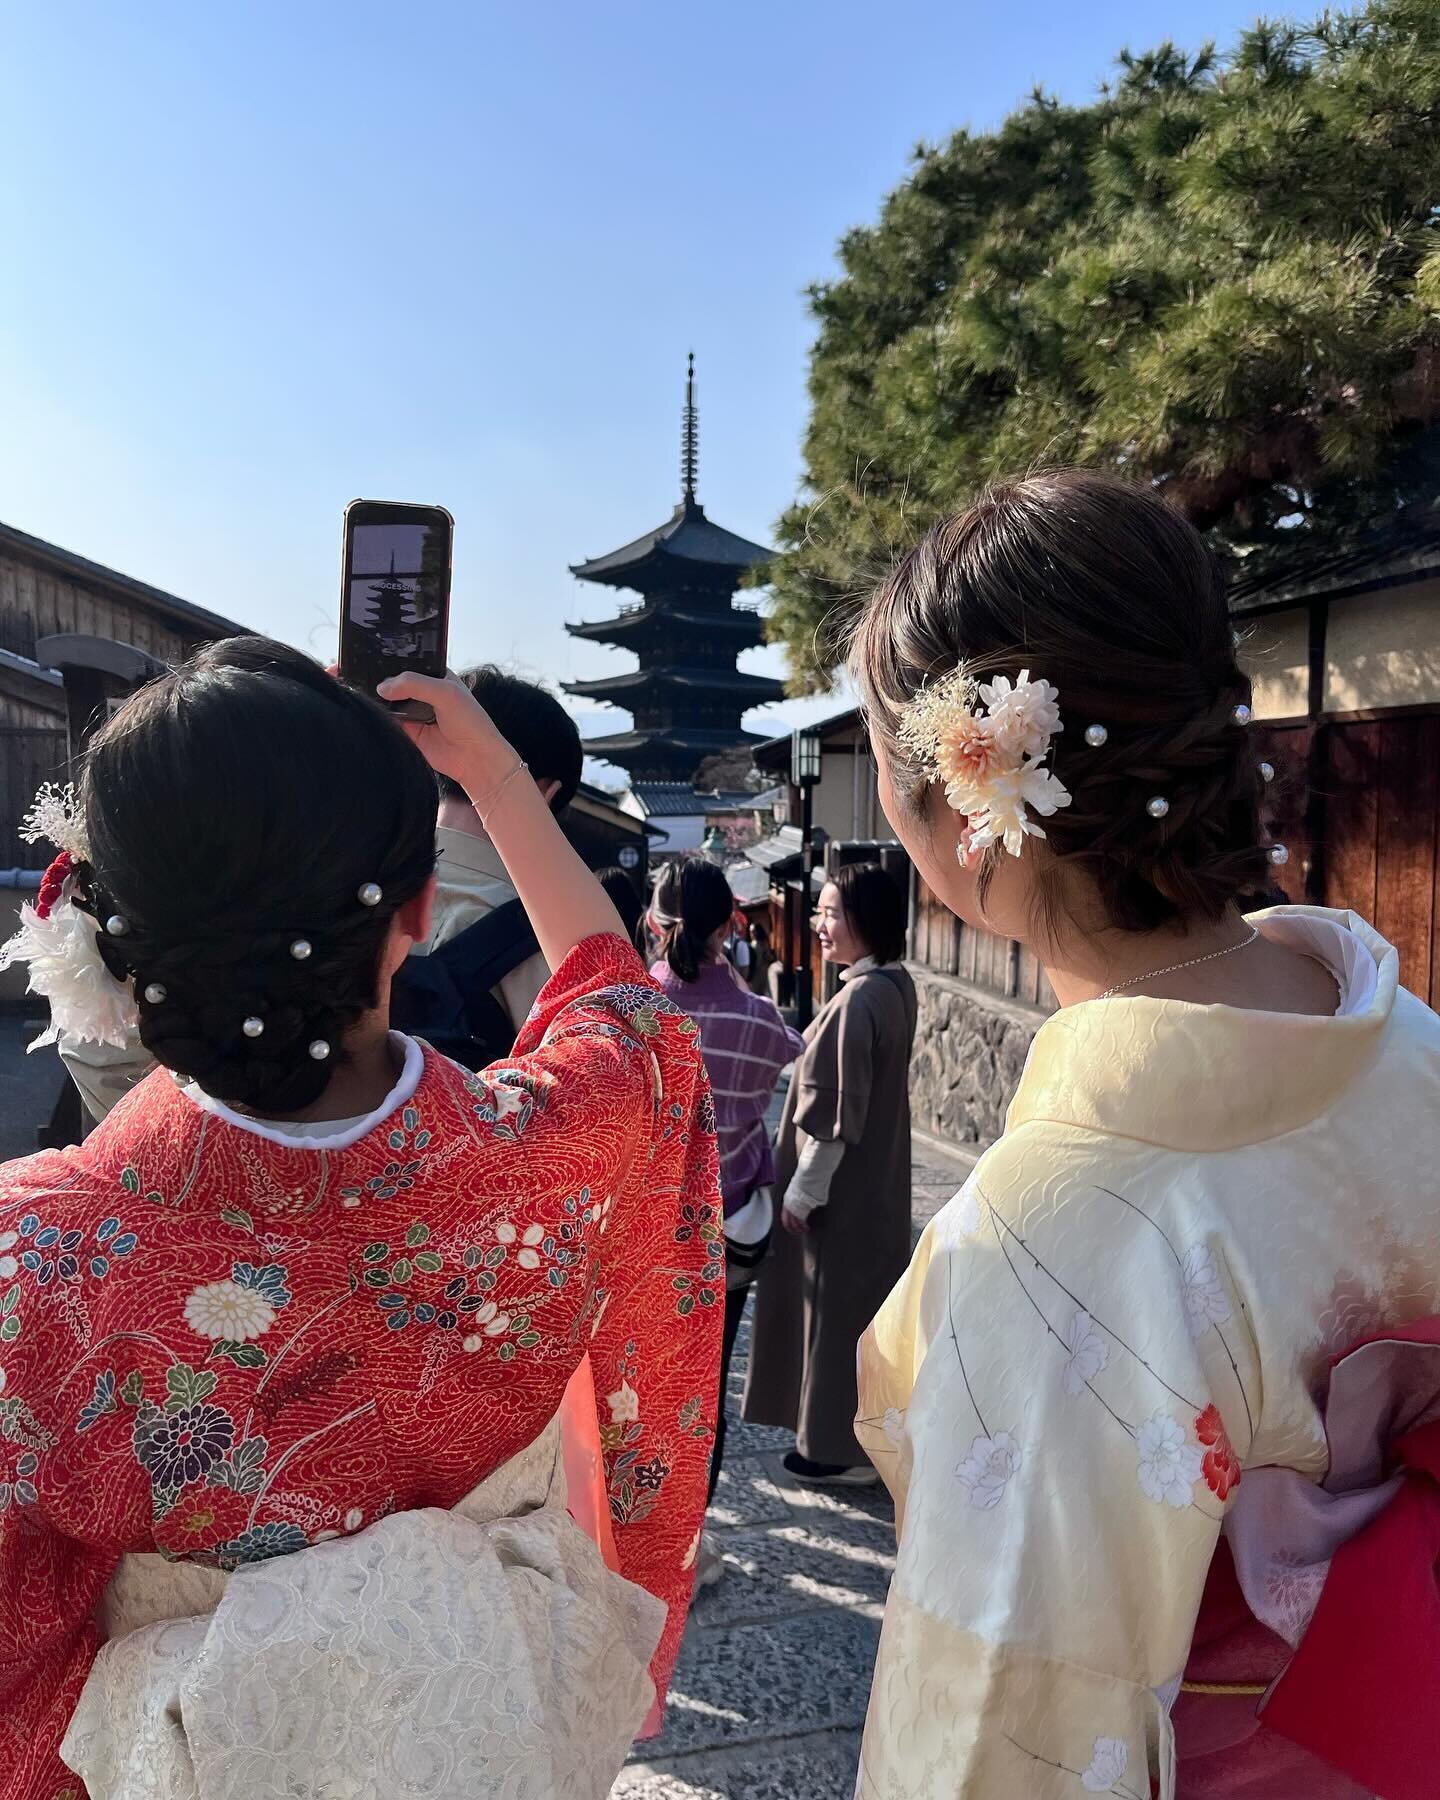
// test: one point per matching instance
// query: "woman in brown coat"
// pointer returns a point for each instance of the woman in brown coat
(843, 1166)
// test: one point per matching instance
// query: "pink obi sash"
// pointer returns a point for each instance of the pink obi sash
(1314, 1670)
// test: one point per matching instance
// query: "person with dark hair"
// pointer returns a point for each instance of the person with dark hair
(625, 898)
(472, 1000)
(1146, 1394)
(762, 955)
(843, 1167)
(472, 877)
(745, 1044)
(305, 1305)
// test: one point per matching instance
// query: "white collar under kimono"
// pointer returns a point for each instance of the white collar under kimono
(863, 965)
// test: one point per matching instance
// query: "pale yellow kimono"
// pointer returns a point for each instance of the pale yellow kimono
(1134, 1298)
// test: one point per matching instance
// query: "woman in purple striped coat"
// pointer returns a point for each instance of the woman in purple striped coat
(745, 1044)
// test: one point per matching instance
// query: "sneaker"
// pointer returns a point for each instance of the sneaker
(709, 1565)
(815, 1474)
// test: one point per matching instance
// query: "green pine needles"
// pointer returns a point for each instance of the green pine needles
(1223, 277)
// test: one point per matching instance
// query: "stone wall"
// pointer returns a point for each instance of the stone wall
(970, 1047)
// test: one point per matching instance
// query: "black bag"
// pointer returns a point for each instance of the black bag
(446, 997)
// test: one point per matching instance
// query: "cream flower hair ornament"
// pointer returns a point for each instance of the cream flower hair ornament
(58, 941)
(987, 744)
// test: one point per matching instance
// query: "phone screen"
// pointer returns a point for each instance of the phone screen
(395, 598)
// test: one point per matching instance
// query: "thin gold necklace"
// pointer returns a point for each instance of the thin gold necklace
(1175, 968)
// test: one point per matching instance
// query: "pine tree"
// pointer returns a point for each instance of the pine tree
(1223, 276)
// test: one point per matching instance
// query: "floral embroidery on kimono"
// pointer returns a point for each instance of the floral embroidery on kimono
(224, 1349)
(1126, 1308)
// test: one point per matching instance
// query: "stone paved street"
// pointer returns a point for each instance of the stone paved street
(770, 1692)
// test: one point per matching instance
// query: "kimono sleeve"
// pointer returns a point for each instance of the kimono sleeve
(1061, 1393)
(49, 1583)
(655, 1348)
(836, 1072)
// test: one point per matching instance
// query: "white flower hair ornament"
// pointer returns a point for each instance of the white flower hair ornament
(58, 940)
(987, 743)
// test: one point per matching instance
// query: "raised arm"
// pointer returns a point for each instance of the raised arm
(562, 899)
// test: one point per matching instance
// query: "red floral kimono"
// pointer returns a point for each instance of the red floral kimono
(225, 1349)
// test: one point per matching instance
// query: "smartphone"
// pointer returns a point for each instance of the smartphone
(394, 595)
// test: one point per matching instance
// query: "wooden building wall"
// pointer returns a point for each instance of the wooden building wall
(28, 757)
(36, 603)
(939, 941)
(1365, 834)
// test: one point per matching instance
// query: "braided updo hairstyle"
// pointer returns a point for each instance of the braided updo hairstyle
(235, 807)
(1103, 589)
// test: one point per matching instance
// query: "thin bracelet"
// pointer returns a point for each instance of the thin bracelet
(491, 799)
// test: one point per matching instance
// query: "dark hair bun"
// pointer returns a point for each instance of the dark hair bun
(1101, 588)
(234, 807)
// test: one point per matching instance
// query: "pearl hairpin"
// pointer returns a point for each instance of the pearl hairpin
(1267, 771)
(371, 894)
(1279, 855)
(155, 994)
(1096, 736)
(116, 926)
(1157, 806)
(253, 1027)
(1241, 714)
(300, 949)
(319, 1049)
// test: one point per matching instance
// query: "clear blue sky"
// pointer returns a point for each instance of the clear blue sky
(261, 259)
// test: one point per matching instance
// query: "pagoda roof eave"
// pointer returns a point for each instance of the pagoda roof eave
(745, 627)
(705, 743)
(756, 689)
(687, 543)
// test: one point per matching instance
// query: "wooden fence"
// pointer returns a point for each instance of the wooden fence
(29, 755)
(939, 941)
(1356, 801)
(1359, 805)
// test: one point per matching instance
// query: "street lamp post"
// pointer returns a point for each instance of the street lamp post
(805, 773)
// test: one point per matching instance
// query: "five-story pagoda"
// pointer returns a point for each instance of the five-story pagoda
(686, 696)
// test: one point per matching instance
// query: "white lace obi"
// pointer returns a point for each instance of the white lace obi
(440, 1656)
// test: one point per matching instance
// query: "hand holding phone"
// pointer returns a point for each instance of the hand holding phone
(457, 736)
(395, 595)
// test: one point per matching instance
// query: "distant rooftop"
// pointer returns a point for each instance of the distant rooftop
(181, 612)
(687, 538)
(687, 541)
(677, 799)
(1402, 548)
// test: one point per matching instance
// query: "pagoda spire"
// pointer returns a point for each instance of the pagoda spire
(689, 437)
(687, 696)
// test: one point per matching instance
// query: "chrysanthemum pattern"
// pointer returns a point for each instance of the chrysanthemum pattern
(254, 1378)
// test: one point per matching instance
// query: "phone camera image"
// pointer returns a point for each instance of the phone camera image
(396, 599)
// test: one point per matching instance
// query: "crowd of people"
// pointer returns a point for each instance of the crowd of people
(365, 1368)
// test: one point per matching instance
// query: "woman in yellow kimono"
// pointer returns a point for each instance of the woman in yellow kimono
(1218, 1176)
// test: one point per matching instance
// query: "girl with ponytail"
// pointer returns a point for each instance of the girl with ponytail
(745, 1044)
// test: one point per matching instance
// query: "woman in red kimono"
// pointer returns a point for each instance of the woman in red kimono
(310, 1279)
